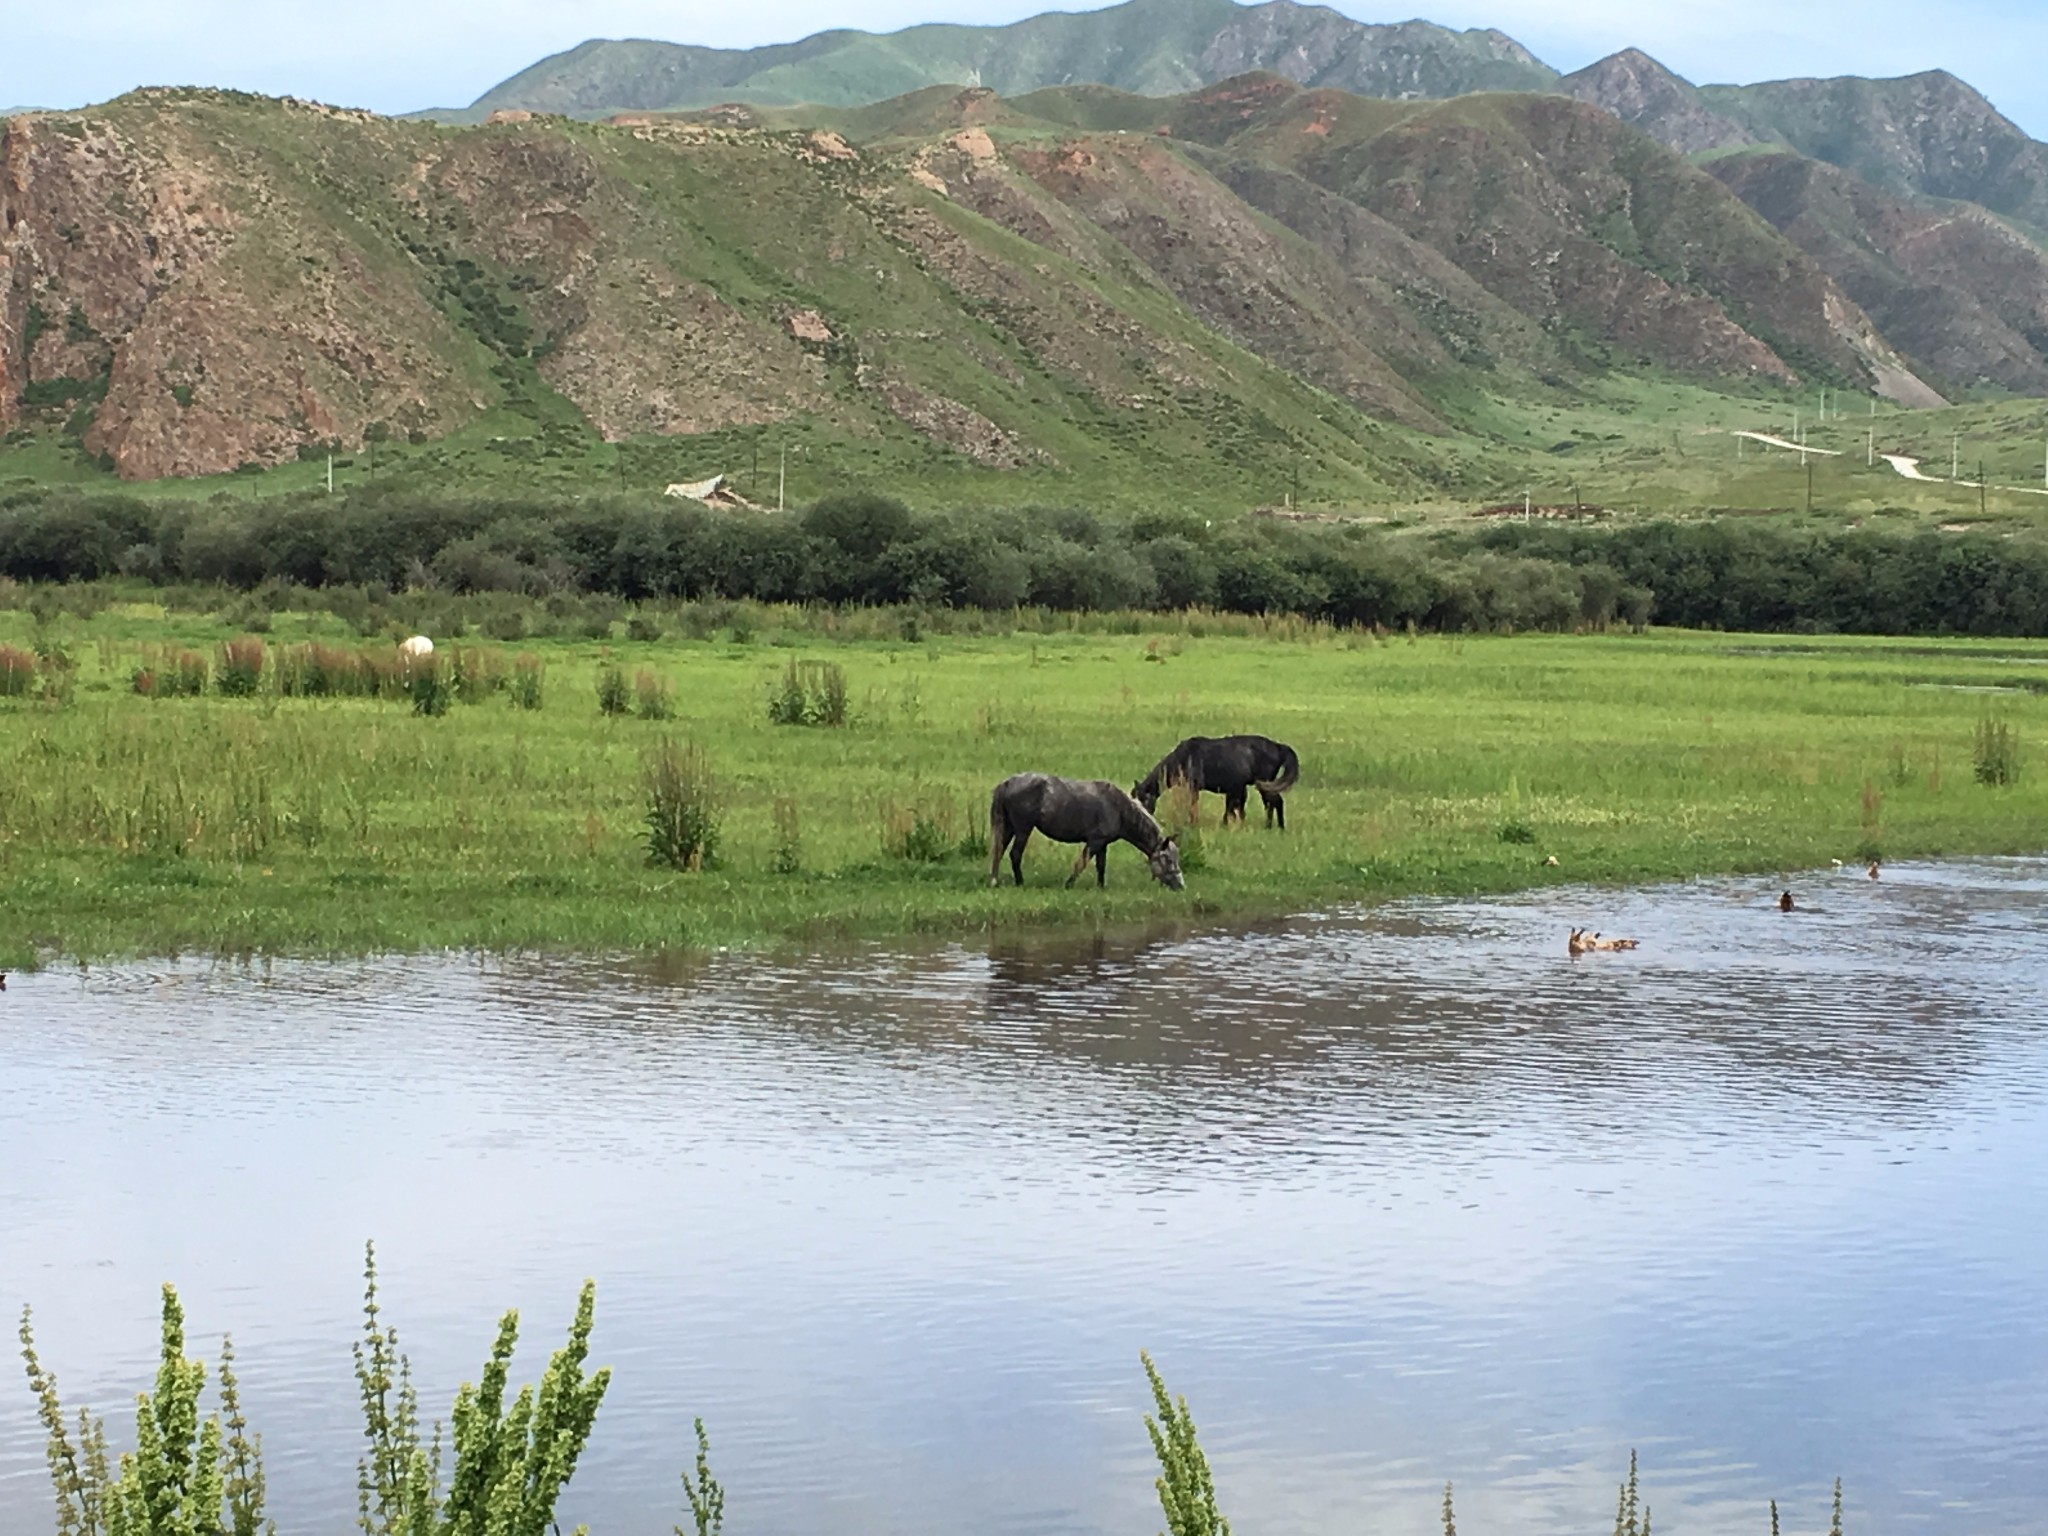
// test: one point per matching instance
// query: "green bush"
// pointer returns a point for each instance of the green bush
(613, 696)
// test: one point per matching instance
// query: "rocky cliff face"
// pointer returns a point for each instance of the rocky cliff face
(148, 278)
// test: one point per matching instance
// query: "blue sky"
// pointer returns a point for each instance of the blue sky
(395, 55)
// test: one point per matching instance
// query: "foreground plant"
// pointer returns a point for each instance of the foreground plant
(511, 1464)
(707, 1498)
(1187, 1492)
(187, 1476)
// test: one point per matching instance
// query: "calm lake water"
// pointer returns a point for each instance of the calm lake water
(1392, 1196)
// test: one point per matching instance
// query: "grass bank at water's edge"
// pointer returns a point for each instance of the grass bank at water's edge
(132, 825)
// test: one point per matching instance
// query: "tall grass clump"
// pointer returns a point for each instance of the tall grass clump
(654, 696)
(239, 672)
(789, 837)
(1180, 817)
(918, 834)
(1997, 754)
(478, 673)
(683, 813)
(528, 675)
(1187, 1492)
(170, 673)
(810, 693)
(429, 686)
(317, 671)
(613, 696)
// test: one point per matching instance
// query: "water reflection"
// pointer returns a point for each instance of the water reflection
(1394, 1196)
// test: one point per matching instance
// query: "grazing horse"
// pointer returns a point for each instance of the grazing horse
(1227, 766)
(1093, 813)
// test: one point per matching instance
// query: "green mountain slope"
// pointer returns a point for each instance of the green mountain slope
(1151, 47)
(1928, 133)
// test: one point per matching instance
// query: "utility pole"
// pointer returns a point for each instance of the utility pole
(1981, 492)
(1525, 506)
(782, 479)
(1870, 450)
(330, 471)
(1809, 487)
(1955, 456)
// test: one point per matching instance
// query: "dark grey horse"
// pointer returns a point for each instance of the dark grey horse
(1093, 813)
(1227, 766)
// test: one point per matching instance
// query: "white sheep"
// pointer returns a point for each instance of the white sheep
(417, 649)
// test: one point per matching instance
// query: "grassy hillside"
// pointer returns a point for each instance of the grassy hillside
(1152, 47)
(1929, 133)
(1245, 295)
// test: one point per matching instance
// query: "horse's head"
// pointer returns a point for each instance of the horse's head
(1165, 863)
(1146, 793)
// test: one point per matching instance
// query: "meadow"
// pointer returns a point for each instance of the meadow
(277, 823)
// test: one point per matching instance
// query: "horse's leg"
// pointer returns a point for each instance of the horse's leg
(1101, 874)
(1080, 864)
(1233, 805)
(1017, 854)
(998, 840)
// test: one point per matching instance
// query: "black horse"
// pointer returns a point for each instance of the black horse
(1093, 813)
(1227, 766)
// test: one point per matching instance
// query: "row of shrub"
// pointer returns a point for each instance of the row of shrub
(1749, 574)
(243, 667)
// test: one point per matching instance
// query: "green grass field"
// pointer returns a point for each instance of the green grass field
(147, 826)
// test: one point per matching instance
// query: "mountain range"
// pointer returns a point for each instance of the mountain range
(1173, 237)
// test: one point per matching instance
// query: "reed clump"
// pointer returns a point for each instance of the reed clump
(17, 672)
(789, 837)
(529, 678)
(683, 813)
(172, 673)
(810, 693)
(1997, 754)
(613, 696)
(239, 672)
(919, 833)
(654, 697)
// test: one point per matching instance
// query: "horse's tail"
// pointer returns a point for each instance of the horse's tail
(1286, 778)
